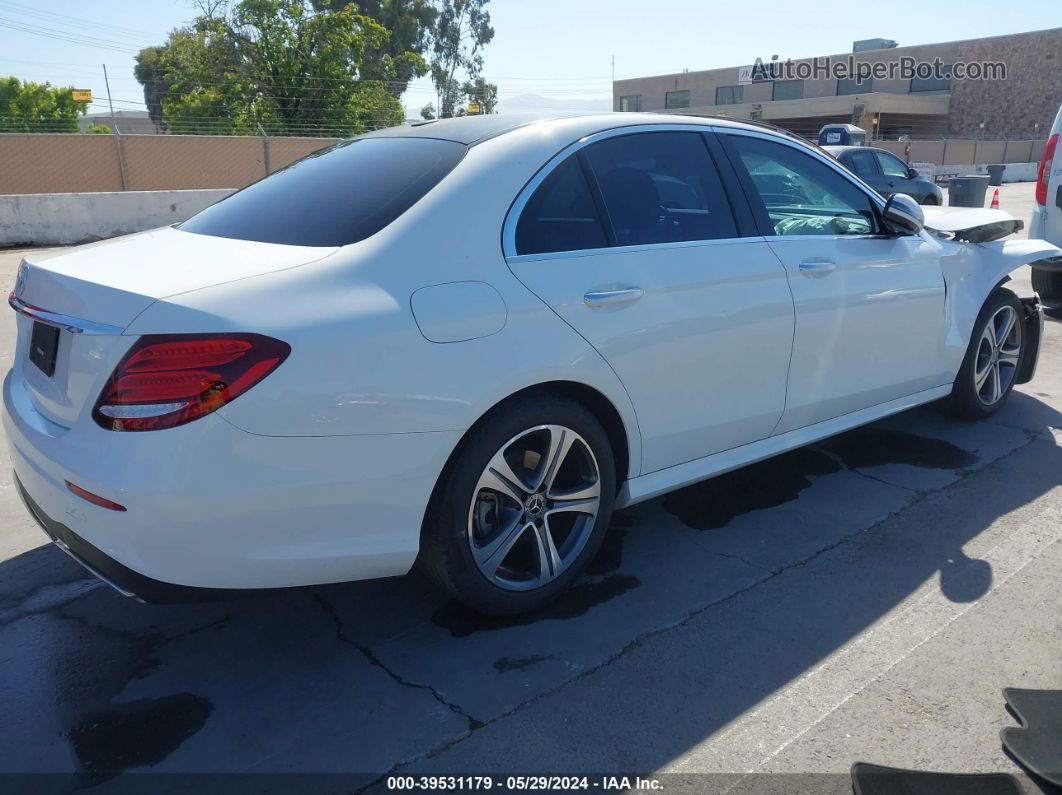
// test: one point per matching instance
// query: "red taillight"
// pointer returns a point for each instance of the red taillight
(1043, 174)
(170, 379)
(95, 499)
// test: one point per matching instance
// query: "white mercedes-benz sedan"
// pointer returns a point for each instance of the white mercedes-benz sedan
(464, 343)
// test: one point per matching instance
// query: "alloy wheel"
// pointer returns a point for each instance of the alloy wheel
(534, 508)
(998, 352)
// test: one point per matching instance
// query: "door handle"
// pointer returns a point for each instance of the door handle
(600, 297)
(817, 268)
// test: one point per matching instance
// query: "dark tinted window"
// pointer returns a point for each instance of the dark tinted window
(729, 95)
(333, 197)
(788, 89)
(661, 188)
(853, 85)
(863, 163)
(676, 99)
(932, 80)
(560, 215)
(800, 194)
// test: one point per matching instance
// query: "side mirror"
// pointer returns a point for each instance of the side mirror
(912, 174)
(903, 215)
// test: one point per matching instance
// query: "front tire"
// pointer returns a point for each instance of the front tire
(522, 507)
(993, 359)
(1047, 283)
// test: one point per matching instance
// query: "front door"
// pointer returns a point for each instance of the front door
(870, 320)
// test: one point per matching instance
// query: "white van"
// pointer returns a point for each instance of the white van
(1046, 220)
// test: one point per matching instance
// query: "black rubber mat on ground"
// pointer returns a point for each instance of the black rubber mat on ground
(1038, 743)
(870, 779)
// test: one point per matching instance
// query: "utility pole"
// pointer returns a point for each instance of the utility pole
(117, 135)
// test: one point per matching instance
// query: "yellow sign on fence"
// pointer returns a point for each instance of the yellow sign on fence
(473, 108)
(82, 95)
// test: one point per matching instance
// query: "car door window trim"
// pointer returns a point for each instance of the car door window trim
(876, 201)
(512, 218)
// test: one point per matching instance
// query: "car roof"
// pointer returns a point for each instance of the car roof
(471, 130)
(836, 151)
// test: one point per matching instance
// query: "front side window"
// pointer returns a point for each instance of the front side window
(729, 95)
(561, 214)
(676, 99)
(335, 196)
(891, 166)
(631, 103)
(661, 187)
(800, 195)
(863, 163)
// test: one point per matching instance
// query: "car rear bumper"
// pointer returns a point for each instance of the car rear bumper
(212, 506)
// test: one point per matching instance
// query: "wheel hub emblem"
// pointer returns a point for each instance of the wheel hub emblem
(534, 506)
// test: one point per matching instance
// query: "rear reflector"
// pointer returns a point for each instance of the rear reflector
(95, 499)
(1043, 174)
(170, 379)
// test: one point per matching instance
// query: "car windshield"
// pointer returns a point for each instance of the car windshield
(335, 196)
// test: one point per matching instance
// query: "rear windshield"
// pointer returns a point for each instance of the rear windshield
(336, 196)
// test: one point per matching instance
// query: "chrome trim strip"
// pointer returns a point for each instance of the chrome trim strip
(74, 325)
(593, 252)
(513, 216)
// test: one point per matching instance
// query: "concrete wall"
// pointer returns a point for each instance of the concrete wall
(44, 219)
(59, 163)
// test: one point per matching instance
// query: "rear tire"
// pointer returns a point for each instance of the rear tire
(522, 507)
(1047, 283)
(993, 359)
(930, 201)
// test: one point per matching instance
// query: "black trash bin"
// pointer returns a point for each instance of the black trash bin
(995, 175)
(967, 191)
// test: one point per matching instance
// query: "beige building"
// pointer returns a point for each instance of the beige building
(1023, 103)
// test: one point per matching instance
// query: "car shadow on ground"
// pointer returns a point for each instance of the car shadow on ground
(715, 597)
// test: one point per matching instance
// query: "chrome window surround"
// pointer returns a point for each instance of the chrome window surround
(517, 208)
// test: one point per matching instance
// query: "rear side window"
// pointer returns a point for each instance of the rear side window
(561, 214)
(333, 197)
(863, 163)
(661, 187)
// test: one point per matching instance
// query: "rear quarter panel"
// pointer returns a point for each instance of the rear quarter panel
(359, 363)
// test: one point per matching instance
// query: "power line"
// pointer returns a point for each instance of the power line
(87, 41)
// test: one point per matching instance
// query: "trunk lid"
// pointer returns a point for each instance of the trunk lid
(102, 287)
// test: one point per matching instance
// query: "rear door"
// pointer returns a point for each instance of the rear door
(630, 237)
(870, 320)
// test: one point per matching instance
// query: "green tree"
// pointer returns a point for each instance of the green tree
(275, 65)
(95, 128)
(462, 30)
(411, 24)
(483, 93)
(37, 107)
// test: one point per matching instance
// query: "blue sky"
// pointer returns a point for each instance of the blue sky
(556, 48)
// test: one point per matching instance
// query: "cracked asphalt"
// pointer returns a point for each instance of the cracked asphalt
(865, 598)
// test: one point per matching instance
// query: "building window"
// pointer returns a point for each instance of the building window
(853, 85)
(788, 89)
(631, 103)
(729, 95)
(677, 99)
(932, 82)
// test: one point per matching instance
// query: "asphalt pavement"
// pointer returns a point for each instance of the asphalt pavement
(865, 598)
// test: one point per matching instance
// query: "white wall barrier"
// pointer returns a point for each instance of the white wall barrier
(46, 219)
